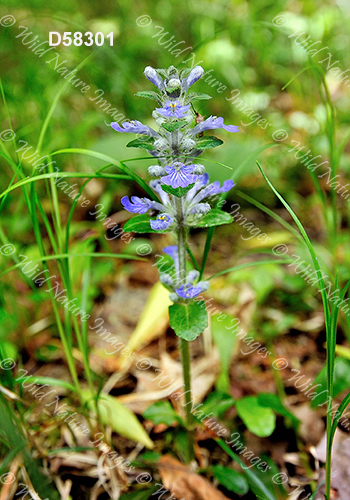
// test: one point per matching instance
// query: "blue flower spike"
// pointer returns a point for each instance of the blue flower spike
(186, 198)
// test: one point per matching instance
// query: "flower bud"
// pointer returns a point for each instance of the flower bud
(196, 73)
(152, 76)
(204, 285)
(199, 169)
(192, 276)
(160, 143)
(173, 83)
(166, 279)
(156, 170)
(188, 144)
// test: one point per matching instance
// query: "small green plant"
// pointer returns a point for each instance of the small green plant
(183, 197)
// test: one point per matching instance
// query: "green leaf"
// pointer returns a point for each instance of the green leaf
(121, 419)
(198, 95)
(151, 457)
(342, 407)
(314, 260)
(55, 382)
(341, 382)
(179, 192)
(214, 218)
(259, 485)
(139, 143)
(182, 446)
(225, 340)
(217, 403)
(8, 349)
(148, 95)
(174, 125)
(258, 419)
(139, 495)
(231, 479)
(140, 224)
(188, 320)
(272, 401)
(162, 413)
(12, 437)
(208, 142)
(95, 154)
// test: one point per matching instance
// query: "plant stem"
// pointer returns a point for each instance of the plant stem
(186, 367)
(328, 457)
(185, 348)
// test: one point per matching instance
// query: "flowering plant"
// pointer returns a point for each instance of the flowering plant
(183, 195)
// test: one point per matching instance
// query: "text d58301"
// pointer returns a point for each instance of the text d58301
(76, 38)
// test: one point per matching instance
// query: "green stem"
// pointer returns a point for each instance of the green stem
(186, 367)
(328, 456)
(185, 348)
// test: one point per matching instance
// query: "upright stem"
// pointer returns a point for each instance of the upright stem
(185, 347)
(330, 392)
(328, 457)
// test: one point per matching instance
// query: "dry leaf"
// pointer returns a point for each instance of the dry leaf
(183, 483)
(153, 319)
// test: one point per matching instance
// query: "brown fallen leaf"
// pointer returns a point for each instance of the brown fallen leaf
(183, 483)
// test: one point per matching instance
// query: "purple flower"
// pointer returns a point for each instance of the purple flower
(212, 123)
(211, 190)
(173, 252)
(195, 74)
(151, 74)
(173, 109)
(200, 208)
(179, 175)
(162, 222)
(156, 185)
(134, 127)
(188, 291)
(139, 205)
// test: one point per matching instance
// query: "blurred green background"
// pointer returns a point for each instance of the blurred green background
(236, 41)
(239, 43)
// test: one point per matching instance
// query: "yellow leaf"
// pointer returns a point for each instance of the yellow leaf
(121, 419)
(153, 319)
